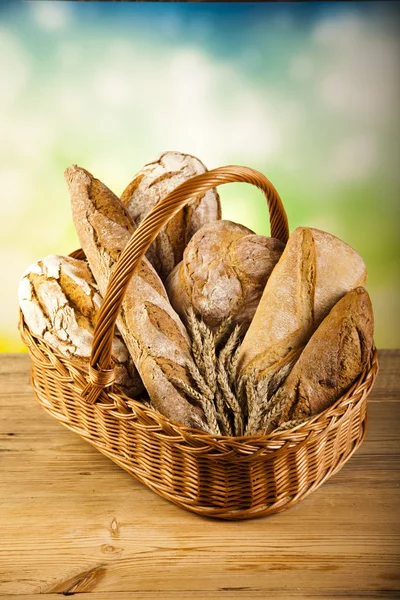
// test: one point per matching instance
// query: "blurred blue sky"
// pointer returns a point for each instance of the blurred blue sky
(308, 93)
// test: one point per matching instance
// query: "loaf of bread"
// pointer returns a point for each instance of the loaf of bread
(60, 301)
(334, 357)
(223, 273)
(153, 332)
(153, 182)
(315, 270)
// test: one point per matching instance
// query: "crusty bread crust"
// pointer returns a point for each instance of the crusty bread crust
(223, 273)
(333, 358)
(153, 182)
(315, 270)
(60, 301)
(154, 334)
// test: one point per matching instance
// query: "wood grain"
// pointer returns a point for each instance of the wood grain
(71, 521)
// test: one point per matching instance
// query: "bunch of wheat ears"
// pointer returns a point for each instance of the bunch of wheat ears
(232, 405)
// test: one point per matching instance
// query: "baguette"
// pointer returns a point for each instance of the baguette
(60, 302)
(334, 357)
(223, 273)
(154, 334)
(153, 182)
(315, 270)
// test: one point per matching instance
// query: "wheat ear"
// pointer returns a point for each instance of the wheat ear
(223, 417)
(289, 424)
(195, 335)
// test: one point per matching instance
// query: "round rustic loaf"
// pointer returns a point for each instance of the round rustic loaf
(223, 273)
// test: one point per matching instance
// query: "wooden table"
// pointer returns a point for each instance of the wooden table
(71, 521)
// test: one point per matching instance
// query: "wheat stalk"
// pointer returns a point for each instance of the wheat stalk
(205, 402)
(232, 344)
(289, 424)
(199, 381)
(231, 400)
(233, 366)
(222, 414)
(213, 386)
(195, 336)
(256, 399)
(232, 406)
(275, 408)
(222, 330)
(209, 357)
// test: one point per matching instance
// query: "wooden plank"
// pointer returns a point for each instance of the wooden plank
(71, 521)
(387, 384)
(231, 594)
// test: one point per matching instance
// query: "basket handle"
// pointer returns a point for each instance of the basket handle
(101, 372)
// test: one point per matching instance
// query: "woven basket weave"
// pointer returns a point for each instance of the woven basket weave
(215, 476)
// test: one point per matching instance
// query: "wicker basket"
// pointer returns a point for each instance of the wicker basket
(215, 476)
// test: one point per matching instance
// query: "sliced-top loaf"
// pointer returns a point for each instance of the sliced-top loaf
(334, 357)
(315, 270)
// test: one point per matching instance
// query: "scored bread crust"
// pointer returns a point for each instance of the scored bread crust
(153, 182)
(60, 302)
(223, 273)
(315, 270)
(334, 357)
(154, 334)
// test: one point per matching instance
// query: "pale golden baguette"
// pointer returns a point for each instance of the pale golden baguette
(315, 270)
(334, 357)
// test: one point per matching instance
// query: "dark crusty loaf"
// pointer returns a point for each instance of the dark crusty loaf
(334, 357)
(153, 182)
(153, 332)
(315, 270)
(223, 273)
(60, 301)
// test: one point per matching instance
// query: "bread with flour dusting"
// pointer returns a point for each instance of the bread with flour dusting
(223, 273)
(334, 357)
(153, 182)
(315, 270)
(60, 302)
(153, 332)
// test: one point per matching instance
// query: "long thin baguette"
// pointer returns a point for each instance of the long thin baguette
(153, 332)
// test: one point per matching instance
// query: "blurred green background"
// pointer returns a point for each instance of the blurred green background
(308, 93)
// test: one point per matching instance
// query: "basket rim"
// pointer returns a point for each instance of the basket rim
(124, 407)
